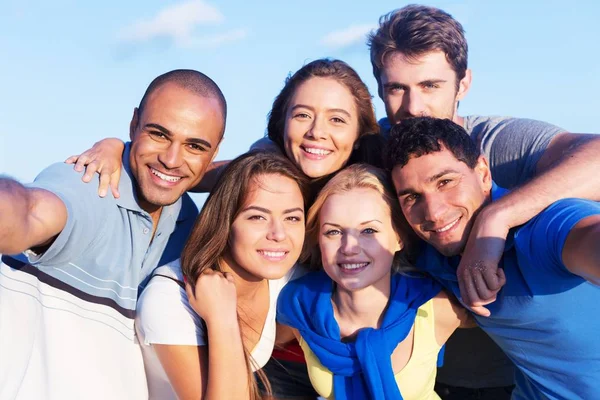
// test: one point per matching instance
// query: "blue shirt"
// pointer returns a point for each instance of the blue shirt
(106, 249)
(546, 319)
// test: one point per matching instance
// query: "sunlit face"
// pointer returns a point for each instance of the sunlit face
(321, 126)
(424, 86)
(267, 235)
(173, 141)
(357, 239)
(440, 197)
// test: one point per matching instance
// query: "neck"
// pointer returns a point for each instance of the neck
(364, 307)
(246, 284)
(457, 119)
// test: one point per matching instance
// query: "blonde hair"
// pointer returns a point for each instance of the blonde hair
(360, 176)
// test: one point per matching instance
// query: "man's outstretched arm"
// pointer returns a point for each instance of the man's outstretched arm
(28, 217)
(569, 167)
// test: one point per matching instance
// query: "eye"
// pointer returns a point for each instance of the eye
(369, 231)
(444, 182)
(301, 116)
(157, 135)
(411, 198)
(294, 219)
(196, 147)
(431, 85)
(332, 232)
(257, 218)
(337, 120)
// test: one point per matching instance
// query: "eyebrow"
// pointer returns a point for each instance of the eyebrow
(362, 223)
(421, 83)
(431, 179)
(339, 110)
(167, 132)
(267, 211)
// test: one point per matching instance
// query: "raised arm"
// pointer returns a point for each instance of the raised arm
(567, 168)
(28, 217)
(581, 252)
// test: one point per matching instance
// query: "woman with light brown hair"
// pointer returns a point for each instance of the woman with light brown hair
(204, 338)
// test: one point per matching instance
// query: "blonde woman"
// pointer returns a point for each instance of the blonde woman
(367, 331)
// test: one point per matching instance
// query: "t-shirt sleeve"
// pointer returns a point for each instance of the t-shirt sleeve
(542, 239)
(513, 146)
(86, 213)
(164, 315)
(264, 144)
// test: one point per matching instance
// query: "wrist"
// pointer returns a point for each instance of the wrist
(497, 215)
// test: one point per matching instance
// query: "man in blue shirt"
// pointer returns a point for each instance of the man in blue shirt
(545, 316)
(67, 303)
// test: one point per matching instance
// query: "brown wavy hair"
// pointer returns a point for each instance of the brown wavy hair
(349, 78)
(209, 239)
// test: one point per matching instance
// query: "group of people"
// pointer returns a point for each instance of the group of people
(363, 245)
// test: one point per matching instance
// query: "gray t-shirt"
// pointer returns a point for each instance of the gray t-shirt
(513, 147)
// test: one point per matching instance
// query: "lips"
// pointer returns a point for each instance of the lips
(315, 152)
(353, 267)
(273, 255)
(165, 177)
(446, 227)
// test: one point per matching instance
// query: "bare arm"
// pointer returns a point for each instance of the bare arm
(28, 217)
(449, 315)
(568, 168)
(581, 252)
(211, 176)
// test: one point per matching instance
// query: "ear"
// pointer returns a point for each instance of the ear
(134, 123)
(217, 149)
(482, 168)
(464, 85)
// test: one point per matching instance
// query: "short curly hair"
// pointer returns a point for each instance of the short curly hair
(415, 137)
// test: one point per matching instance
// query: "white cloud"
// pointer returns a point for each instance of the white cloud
(355, 34)
(178, 23)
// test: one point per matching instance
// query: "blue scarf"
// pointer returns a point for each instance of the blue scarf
(362, 369)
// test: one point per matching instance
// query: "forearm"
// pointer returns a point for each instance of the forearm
(572, 172)
(225, 360)
(23, 220)
(211, 176)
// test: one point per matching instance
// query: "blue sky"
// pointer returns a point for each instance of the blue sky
(72, 71)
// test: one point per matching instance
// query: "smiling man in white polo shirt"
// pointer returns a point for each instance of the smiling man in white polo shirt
(67, 302)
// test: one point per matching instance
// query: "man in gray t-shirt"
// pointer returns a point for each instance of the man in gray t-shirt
(419, 59)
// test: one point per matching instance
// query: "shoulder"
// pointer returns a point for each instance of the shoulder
(560, 215)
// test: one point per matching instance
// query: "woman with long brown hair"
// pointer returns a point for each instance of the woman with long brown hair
(220, 324)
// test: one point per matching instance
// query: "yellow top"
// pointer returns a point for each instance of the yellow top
(415, 380)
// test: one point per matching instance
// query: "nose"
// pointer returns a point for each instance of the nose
(434, 208)
(317, 130)
(172, 157)
(413, 104)
(350, 245)
(276, 231)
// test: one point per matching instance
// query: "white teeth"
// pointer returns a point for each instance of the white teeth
(444, 229)
(354, 266)
(273, 254)
(319, 152)
(165, 177)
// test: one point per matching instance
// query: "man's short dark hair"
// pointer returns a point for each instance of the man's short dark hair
(189, 79)
(415, 137)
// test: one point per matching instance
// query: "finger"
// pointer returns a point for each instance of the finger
(492, 279)
(114, 183)
(470, 291)
(501, 277)
(71, 160)
(90, 170)
(228, 276)
(484, 294)
(81, 162)
(480, 310)
(104, 182)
